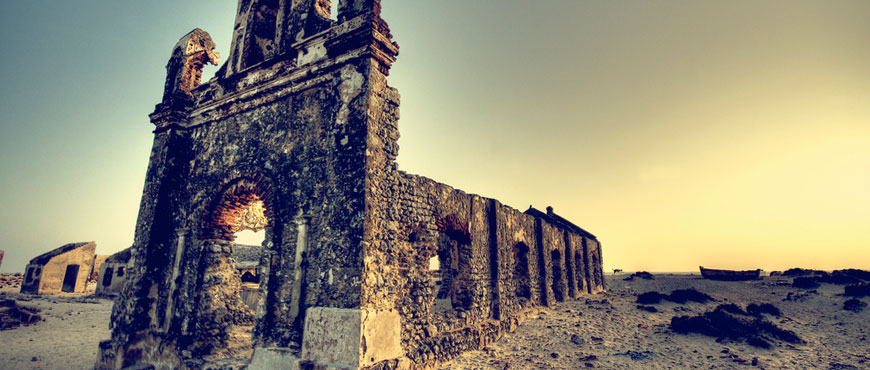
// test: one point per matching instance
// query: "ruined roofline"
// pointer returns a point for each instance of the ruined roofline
(551, 218)
(122, 256)
(557, 220)
(308, 65)
(45, 257)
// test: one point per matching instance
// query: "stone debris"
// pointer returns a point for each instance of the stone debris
(637, 355)
(641, 275)
(854, 305)
(680, 296)
(859, 290)
(12, 281)
(732, 322)
(13, 315)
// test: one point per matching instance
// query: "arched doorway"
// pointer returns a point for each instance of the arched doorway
(227, 302)
(521, 271)
(558, 279)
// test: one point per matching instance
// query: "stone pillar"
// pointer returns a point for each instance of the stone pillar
(179, 253)
(301, 249)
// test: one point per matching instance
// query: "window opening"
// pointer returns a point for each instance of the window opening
(107, 276)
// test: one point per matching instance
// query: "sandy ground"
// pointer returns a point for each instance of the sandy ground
(68, 338)
(610, 328)
(609, 332)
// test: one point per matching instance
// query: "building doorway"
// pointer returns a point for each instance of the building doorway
(69, 279)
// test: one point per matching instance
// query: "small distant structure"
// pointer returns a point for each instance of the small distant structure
(247, 259)
(617, 271)
(113, 273)
(65, 269)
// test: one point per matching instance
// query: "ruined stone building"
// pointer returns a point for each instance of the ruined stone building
(363, 266)
(113, 273)
(96, 268)
(65, 269)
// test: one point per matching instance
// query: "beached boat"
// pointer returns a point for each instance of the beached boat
(729, 275)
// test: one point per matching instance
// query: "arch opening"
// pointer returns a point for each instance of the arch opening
(450, 268)
(558, 278)
(521, 271)
(231, 282)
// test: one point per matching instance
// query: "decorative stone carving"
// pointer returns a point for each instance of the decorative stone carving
(189, 56)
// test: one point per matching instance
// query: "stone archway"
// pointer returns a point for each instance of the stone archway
(521, 271)
(558, 278)
(225, 320)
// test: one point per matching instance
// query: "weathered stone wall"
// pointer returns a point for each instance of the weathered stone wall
(419, 217)
(364, 266)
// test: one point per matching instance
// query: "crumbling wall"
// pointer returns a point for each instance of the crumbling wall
(420, 218)
(364, 266)
(595, 274)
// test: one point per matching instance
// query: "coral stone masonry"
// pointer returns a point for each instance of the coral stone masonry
(363, 266)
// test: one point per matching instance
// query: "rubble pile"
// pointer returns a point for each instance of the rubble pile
(13, 315)
(11, 280)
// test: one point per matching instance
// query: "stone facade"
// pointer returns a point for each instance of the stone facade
(363, 266)
(65, 269)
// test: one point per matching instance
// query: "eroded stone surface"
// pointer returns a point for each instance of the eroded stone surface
(363, 265)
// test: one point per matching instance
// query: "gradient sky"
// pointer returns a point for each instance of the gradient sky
(730, 134)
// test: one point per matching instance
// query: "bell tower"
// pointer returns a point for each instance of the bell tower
(292, 131)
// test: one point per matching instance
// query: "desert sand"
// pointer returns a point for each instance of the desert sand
(614, 334)
(605, 331)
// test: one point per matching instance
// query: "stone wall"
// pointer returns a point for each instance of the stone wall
(363, 266)
(422, 218)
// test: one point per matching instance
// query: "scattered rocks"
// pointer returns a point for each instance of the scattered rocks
(810, 279)
(12, 315)
(647, 308)
(680, 296)
(651, 297)
(635, 355)
(757, 310)
(803, 272)
(640, 274)
(792, 296)
(686, 295)
(11, 280)
(577, 340)
(859, 290)
(854, 305)
(805, 283)
(732, 322)
(839, 366)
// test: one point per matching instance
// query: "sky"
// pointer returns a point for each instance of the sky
(731, 134)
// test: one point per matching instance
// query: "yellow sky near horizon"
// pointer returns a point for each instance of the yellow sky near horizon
(731, 134)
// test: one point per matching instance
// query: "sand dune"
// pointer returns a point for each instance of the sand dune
(605, 331)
